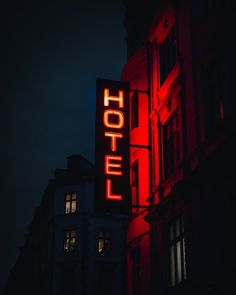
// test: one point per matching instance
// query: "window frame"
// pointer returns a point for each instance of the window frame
(71, 201)
(135, 183)
(172, 146)
(69, 236)
(134, 110)
(167, 55)
(177, 251)
(136, 269)
(105, 240)
(214, 95)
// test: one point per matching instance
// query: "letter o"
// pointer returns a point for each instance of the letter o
(109, 124)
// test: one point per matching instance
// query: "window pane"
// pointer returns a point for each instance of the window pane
(171, 143)
(100, 246)
(73, 206)
(74, 195)
(66, 245)
(171, 232)
(68, 197)
(167, 56)
(172, 265)
(104, 241)
(73, 233)
(135, 184)
(134, 109)
(101, 234)
(67, 207)
(72, 242)
(177, 228)
(179, 268)
(184, 261)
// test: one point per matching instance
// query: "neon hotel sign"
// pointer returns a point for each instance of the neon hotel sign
(112, 147)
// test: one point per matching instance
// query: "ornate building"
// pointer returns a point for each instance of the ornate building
(180, 68)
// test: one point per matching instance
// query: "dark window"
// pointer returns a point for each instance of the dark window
(105, 278)
(167, 56)
(104, 241)
(214, 95)
(204, 8)
(177, 252)
(71, 203)
(136, 276)
(135, 183)
(134, 110)
(211, 4)
(171, 144)
(68, 280)
(69, 241)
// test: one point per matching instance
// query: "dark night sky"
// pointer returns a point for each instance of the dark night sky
(51, 54)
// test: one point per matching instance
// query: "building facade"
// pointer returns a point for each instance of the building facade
(181, 68)
(68, 248)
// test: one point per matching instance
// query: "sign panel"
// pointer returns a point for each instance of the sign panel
(112, 147)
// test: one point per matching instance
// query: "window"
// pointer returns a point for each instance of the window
(204, 8)
(68, 279)
(71, 200)
(171, 144)
(167, 56)
(211, 4)
(104, 241)
(135, 184)
(69, 241)
(136, 277)
(134, 110)
(105, 277)
(177, 252)
(214, 95)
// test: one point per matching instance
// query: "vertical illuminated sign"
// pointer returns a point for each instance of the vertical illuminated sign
(112, 147)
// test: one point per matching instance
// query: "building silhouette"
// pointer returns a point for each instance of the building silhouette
(69, 249)
(180, 68)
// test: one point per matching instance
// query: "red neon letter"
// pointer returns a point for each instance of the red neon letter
(109, 195)
(108, 124)
(109, 165)
(119, 98)
(113, 136)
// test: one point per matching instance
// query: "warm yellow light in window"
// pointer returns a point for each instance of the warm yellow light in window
(66, 245)
(71, 200)
(67, 207)
(73, 206)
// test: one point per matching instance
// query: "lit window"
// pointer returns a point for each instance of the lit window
(171, 143)
(135, 184)
(104, 241)
(134, 110)
(167, 56)
(69, 241)
(71, 200)
(177, 252)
